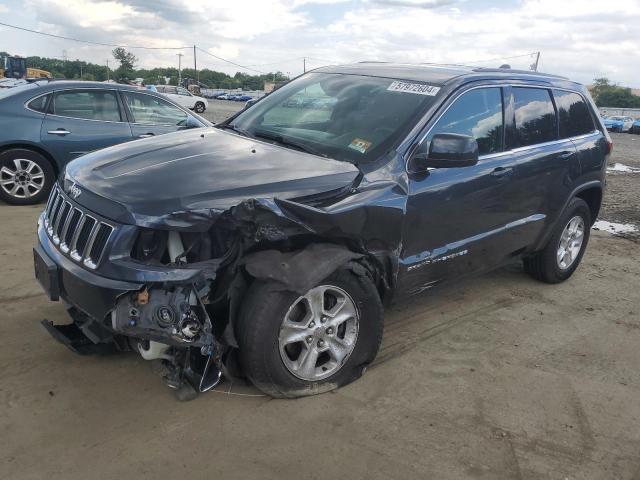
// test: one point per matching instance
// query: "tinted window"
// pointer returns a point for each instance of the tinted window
(477, 113)
(183, 91)
(39, 104)
(149, 109)
(535, 116)
(90, 105)
(573, 114)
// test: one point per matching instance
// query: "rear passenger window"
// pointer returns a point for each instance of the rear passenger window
(535, 116)
(89, 105)
(574, 115)
(478, 114)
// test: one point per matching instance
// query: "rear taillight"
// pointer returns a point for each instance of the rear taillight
(610, 144)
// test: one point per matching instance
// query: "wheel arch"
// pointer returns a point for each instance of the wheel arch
(593, 197)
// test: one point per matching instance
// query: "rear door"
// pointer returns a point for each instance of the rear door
(151, 115)
(80, 121)
(185, 98)
(546, 165)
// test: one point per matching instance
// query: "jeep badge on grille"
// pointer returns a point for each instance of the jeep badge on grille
(74, 191)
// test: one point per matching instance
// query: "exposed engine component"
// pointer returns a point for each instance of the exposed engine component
(173, 316)
(154, 351)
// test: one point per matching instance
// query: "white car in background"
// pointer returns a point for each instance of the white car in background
(183, 97)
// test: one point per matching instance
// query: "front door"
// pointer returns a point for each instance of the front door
(81, 121)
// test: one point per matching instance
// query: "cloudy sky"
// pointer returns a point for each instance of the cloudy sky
(581, 39)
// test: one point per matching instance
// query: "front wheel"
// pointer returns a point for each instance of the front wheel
(295, 345)
(564, 250)
(199, 108)
(26, 177)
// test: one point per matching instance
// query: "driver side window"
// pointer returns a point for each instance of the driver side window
(478, 114)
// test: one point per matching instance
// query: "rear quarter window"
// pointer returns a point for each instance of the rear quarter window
(39, 104)
(573, 114)
(535, 116)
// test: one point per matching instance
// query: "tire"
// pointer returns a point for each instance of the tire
(262, 355)
(546, 265)
(199, 107)
(26, 177)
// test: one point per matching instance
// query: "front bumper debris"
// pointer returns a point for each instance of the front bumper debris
(112, 315)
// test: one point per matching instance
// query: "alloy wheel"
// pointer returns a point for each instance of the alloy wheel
(319, 333)
(24, 180)
(570, 242)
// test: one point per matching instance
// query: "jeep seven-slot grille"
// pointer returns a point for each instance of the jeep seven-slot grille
(74, 231)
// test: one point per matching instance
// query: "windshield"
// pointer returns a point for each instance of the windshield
(346, 117)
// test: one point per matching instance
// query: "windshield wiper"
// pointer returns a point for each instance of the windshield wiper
(285, 142)
(230, 126)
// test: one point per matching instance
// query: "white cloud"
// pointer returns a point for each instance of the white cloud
(582, 39)
(3, 8)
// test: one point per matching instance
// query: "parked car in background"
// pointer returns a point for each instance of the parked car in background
(618, 123)
(242, 98)
(44, 125)
(635, 128)
(183, 97)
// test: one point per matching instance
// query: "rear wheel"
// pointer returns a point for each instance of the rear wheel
(199, 108)
(26, 177)
(295, 345)
(563, 253)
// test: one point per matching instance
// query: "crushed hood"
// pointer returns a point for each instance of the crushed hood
(198, 171)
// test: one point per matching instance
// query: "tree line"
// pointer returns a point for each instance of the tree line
(607, 94)
(125, 63)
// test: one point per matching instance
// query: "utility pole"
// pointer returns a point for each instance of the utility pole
(195, 65)
(108, 71)
(180, 68)
(534, 67)
(304, 64)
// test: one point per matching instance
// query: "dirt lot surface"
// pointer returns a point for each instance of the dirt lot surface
(220, 110)
(494, 377)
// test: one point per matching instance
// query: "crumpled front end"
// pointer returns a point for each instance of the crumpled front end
(172, 291)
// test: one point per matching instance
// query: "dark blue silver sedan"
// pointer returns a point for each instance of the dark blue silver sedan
(46, 124)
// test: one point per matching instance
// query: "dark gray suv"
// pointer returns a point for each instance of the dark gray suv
(267, 247)
(46, 124)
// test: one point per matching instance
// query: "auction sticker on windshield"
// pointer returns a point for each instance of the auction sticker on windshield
(359, 145)
(417, 88)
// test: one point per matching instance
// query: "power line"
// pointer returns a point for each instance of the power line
(229, 61)
(88, 41)
(500, 58)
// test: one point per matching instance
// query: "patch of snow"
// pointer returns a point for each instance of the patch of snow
(621, 167)
(614, 228)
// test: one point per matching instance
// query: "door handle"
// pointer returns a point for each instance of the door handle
(146, 135)
(59, 131)
(565, 155)
(501, 171)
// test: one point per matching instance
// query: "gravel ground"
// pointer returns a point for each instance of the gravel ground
(220, 110)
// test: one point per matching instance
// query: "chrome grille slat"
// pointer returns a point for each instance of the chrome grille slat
(75, 232)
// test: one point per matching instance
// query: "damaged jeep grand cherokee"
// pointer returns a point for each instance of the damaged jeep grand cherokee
(267, 246)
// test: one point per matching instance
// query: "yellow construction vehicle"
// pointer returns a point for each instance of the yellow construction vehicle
(16, 67)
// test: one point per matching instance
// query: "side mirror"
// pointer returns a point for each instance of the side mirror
(191, 122)
(446, 150)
